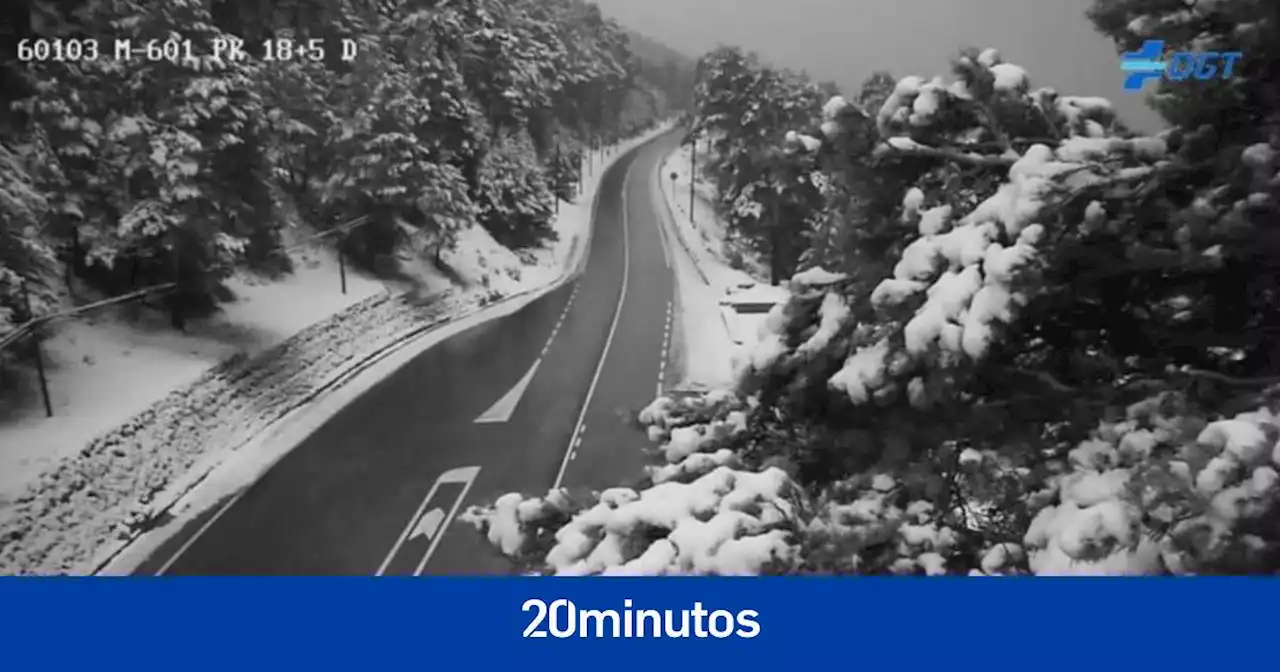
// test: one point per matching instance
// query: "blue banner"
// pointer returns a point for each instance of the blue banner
(283, 624)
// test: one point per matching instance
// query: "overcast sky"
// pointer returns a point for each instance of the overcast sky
(845, 40)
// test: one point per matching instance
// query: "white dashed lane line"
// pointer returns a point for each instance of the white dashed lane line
(666, 343)
(613, 328)
(502, 409)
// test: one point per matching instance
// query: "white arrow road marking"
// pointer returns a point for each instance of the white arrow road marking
(429, 524)
(466, 475)
(502, 409)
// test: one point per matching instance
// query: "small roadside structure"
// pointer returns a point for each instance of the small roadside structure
(745, 307)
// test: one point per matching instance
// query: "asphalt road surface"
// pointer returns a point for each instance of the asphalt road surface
(545, 396)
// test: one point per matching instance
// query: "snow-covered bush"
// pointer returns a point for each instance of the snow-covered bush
(726, 522)
(697, 513)
(1045, 341)
(765, 177)
(1164, 491)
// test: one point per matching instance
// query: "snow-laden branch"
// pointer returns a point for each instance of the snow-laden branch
(907, 146)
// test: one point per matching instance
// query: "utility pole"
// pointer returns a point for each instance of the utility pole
(39, 354)
(342, 267)
(342, 263)
(775, 233)
(559, 177)
(178, 315)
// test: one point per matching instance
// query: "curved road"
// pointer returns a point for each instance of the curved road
(547, 395)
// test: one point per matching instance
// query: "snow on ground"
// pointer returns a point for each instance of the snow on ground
(745, 311)
(312, 293)
(118, 454)
(112, 365)
(716, 337)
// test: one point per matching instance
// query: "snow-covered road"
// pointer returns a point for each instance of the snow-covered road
(545, 395)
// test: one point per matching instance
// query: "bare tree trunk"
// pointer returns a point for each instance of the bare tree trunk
(176, 316)
(38, 353)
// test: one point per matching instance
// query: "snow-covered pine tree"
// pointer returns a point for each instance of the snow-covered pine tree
(164, 160)
(767, 194)
(875, 89)
(514, 198)
(388, 169)
(27, 264)
(1002, 395)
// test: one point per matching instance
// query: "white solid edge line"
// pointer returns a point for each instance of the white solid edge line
(200, 532)
(444, 525)
(613, 328)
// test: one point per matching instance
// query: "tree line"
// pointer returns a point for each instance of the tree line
(122, 173)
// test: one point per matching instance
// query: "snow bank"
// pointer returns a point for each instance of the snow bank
(87, 359)
(117, 484)
(704, 234)
(712, 335)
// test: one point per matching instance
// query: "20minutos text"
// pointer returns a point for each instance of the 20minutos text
(562, 618)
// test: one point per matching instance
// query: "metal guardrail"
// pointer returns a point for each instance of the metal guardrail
(26, 328)
(671, 217)
(31, 327)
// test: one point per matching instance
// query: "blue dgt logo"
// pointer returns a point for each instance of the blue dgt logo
(1147, 63)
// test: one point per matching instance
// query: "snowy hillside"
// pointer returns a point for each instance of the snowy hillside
(142, 452)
